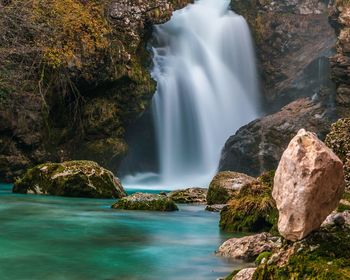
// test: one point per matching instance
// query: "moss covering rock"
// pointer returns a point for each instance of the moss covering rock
(252, 209)
(190, 195)
(146, 202)
(338, 139)
(72, 179)
(224, 185)
(325, 254)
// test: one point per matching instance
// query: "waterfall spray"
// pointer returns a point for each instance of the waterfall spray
(206, 89)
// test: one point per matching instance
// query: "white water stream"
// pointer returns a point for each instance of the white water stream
(207, 89)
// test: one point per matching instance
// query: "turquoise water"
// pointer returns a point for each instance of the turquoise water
(44, 237)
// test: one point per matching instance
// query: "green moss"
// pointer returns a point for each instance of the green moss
(263, 255)
(252, 209)
(344, 203)
(338, 139)
(323, 255)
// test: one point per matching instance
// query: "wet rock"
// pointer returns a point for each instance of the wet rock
(190, 195)
(308, 185)
(72, 179)
(146, 202)
(246, 248)
(258, 146)
(224, 185)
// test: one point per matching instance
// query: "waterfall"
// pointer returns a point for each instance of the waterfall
(206, 89)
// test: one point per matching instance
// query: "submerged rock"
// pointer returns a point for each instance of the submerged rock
(224, 185)
(308, 185)
(190, 195)
(72, 179)
(252, 209)
(146, 201)
(248, 247)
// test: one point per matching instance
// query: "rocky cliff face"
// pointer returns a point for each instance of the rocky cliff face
(258, 146)
(340, 62)
(293, 42)
(73, 74)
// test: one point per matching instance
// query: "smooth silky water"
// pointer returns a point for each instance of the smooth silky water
(206, 89)
(55, 238)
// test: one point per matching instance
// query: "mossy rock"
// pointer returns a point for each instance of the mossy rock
(344, 203)
(323, 255)
(338, 139)
(71, 179)
(224, 185)
(252, 209)
(146, 202)
(190, 195)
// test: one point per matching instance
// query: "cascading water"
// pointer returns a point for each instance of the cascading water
(207, 88)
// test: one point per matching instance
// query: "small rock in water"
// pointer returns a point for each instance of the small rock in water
(308, 185)
(147, 202)
(225, 184)
(215, 207)
(190, 195)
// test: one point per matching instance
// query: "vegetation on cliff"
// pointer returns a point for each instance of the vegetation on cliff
(83, 72)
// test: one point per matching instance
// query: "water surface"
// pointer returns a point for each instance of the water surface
(45, 237)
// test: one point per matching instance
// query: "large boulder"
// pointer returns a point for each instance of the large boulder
(308, 185)
(190, 195)
(147, 202)
(224, 185)
(71, 178)
(248, 247)
(258, 146)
